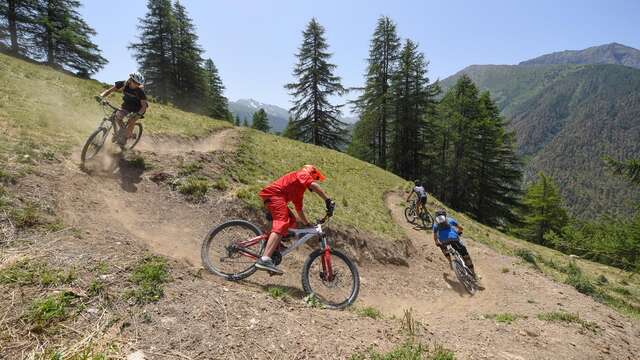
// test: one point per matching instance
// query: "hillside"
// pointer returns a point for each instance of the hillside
(613, 53)
(104, 263)
(566, 118)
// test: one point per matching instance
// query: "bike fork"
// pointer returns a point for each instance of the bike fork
(327, 269)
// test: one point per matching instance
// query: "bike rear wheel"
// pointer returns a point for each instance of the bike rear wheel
(94, 144)
(136, 134)
(427, 220)
(222, 253)
(337, 292)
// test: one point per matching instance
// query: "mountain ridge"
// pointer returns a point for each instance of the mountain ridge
(567, 117)
(612, 53)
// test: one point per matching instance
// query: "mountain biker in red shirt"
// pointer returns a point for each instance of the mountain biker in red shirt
(276, 197)
(134, 104)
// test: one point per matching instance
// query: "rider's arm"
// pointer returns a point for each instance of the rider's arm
(108, 92)
(435, 237)
(460, 228)
(315, 187)
(411, 193)
(143, 107)
(302, 217)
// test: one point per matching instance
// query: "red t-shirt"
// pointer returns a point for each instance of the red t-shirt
(291, 187)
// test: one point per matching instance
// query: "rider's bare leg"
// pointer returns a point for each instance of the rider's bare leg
(272, 244)
(120, 114)
(130, 125)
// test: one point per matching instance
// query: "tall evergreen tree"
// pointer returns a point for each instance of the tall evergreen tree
(63, 38)
(411, 95)
(217, 104)
(237, 121)
(18, 24)
(543, 210)
(261, 121)
(459, 110)
(190, 84)
(245, 123)
(316, 119)
(495, 169)
(155, 49)
(375, 104)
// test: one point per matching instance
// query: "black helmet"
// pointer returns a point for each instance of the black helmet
(417, 182)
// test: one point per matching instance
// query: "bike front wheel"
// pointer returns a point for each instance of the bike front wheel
(336, 290)
(427, 220)
(94, 144)
(410, 214)
(228, 252)
(465, 277)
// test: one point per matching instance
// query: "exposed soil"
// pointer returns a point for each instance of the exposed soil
(119, 212)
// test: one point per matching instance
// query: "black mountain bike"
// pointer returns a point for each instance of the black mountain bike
(411, 214)
(96, 140)
(231, 249)
(463, 273)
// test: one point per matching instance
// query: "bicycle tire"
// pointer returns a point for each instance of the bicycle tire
(410, 214)
(355, 286)
(90, 141)
(209, 240)
(427, 219)
(464, 277)
(137, 130)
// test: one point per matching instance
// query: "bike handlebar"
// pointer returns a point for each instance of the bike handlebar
(323, 220)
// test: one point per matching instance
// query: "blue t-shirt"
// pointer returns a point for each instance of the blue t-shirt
(447, 234)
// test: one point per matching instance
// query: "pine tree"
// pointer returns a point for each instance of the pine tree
(495, 169)
(217, 104)
(629, 169)
(245, 123)
(63, 38)
(375, 104)
(18, 24)
(458, 111)
(261, 121)
(155, 49)
(316, 119)
(237, 122)
(289, 131)
(411, 96)
(192, 92)
(543, 210)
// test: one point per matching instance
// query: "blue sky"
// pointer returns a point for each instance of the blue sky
(253, 42)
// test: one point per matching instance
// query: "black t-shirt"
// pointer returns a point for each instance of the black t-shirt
(131, 97)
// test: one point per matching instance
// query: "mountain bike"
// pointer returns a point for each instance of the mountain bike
(231, 249)
(463, 273)
(411, 214)
(98, 137)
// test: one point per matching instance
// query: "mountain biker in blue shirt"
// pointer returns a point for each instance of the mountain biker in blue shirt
(446, 230)
(421, 194)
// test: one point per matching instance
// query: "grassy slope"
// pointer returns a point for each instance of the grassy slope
(567, 117)
(43, 111)
(356, 186)
(58, 102)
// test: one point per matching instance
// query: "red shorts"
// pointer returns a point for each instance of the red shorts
(283, 219)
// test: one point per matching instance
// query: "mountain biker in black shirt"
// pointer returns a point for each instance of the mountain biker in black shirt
(134, 104)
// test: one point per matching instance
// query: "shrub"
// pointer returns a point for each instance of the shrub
(149, 276)
(195, 187)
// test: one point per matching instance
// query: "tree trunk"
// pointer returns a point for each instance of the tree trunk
(13, 27)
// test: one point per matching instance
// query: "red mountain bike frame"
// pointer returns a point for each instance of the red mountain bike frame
(302, 235)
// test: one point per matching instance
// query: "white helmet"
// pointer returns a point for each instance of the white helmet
(137, 77)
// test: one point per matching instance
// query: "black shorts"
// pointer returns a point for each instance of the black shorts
(456, 244)
(422, 200)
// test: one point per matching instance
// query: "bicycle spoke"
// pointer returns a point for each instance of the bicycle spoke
(336, 289)
(226, 256)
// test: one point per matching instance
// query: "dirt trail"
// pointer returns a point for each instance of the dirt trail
(459, 320)
(174, 145)
(126, 206)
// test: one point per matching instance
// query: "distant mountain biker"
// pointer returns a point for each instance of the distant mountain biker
(421, 193)
(277, 195)
(446, 230)
(134, 104)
